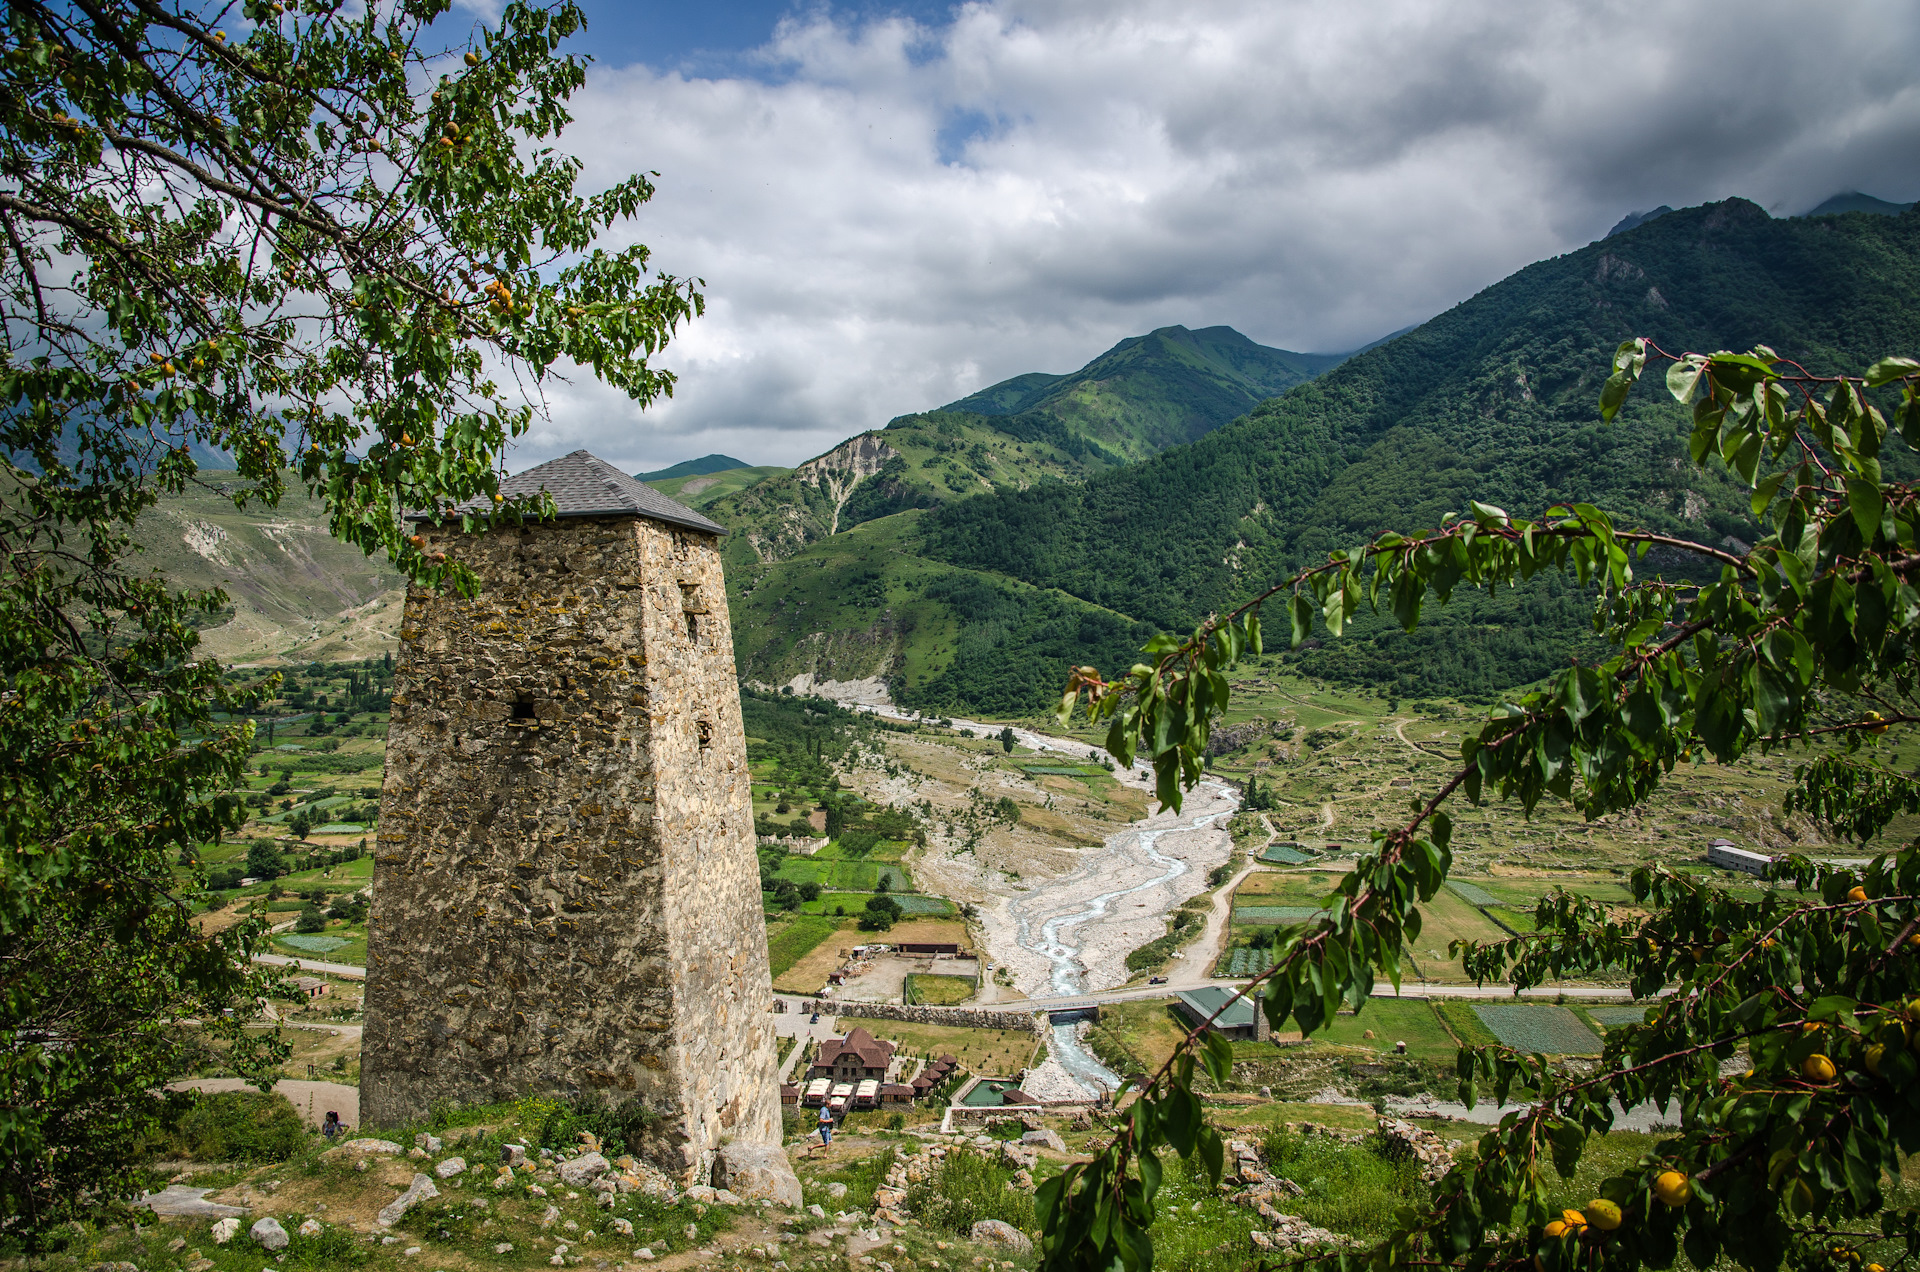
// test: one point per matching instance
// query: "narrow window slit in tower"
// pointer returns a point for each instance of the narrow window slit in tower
(705, 730)
(523, 711)
(693, 627)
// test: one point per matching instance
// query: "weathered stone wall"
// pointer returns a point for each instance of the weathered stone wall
(567, 896)
(958, 1017)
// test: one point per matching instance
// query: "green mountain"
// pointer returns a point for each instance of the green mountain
(1144, 394)
(694, 468)
(1854, 201)
(1494, 400)
(821, 565)
(1154, 391)
(696, 490)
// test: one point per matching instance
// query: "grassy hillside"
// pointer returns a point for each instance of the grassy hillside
(297, 593)
(1492, 400)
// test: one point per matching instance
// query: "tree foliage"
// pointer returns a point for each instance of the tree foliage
(328, 246)
(1804, 643)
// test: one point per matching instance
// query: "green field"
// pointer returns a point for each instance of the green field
(845, 876)
(1530, 1027)
(795, 940)
(1391, 1020)
(937, 991)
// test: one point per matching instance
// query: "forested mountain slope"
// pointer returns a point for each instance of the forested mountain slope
(1154, 391)
(1146, 393)
(1494, 400)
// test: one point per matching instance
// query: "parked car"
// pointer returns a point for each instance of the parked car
(1156, 980)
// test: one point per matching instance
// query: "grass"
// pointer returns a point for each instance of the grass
(994, 1052)
(1466, 1026)
(969, 1188)
(795, 939)
(1391, 1020)
(938, 991)
(1350, 1189)
(1145, 1032)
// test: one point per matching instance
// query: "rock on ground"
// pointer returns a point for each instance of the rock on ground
(371, 1146)
(268, 1233)
(1404, 1140)
(223, 1231)
(421, 1189)
(1002, 1236)
(1045, 1137)
(179, 1199)
(451, 1167)
(579, 1171)
(757, 1172)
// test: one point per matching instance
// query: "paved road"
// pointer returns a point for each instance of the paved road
(795, 1022)
(1191, 972)
(1411, 989)
(346, 970)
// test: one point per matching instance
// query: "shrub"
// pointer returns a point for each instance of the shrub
(240, 1126)
(312, 919)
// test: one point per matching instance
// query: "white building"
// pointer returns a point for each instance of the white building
(1724, 855)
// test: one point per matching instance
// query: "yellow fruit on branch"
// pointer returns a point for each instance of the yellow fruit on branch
(1856, 894)
(1878, 722)
(1817, 1068)
(1603, 1214)
(1556, 1230)
(1673, 1188)
(1573, 1219)
(1875, 1054)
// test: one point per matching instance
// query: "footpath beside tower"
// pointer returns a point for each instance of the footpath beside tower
(566, 896)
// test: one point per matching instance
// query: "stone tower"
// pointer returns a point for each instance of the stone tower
(566, 896)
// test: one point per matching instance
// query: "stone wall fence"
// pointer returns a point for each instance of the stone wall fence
(957, 1017)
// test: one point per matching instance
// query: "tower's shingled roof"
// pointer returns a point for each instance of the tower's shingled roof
(583, 485)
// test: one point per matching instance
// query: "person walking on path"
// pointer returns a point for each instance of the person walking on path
(826, 1127)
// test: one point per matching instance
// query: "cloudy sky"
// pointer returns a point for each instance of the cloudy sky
(895, 204)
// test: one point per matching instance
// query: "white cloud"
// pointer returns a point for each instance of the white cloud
(890, 216)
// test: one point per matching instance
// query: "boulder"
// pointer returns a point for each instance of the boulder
(757, 1172)
(578, 1172)
(1001, 1236)
(427, 1143)
(223, 1231)
(451, 1167)
(421, 1189)
(371, 1146)
(512, 1155)
(179, 1199)
(268, 1234)
(311, 1228)
(1045, 1138)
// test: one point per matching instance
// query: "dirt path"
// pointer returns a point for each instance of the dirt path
(312, 1100)
(1400, 731)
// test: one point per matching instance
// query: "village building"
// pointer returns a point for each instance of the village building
(1242, 1019)
(858, 1055)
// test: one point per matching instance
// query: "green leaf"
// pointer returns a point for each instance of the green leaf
(1865, 501)
(1300, 609)
(1217, 1055)
(1887, 370)
(1765, 490)
(1683, 378)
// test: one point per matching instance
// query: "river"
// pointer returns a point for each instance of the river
(1072, 934)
